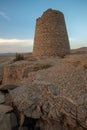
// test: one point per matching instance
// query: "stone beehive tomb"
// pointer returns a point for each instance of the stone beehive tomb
(51, 37)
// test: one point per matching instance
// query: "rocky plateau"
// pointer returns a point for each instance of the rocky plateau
(44, 93)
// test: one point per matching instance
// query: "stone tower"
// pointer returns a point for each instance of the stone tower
(51, 37)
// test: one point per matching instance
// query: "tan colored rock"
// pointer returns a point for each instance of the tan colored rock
(4, 109)
(12, 72)
(51, 90)
(19, 72)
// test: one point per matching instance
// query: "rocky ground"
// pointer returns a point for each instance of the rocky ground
(45, 93)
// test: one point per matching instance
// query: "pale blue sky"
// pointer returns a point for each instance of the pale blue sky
(18, 18)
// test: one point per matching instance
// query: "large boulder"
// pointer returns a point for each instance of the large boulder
(2, 98)
(53, 93)
(5, 109)
(13, 73)
(22, 71)
(8, 119)
(43, 101)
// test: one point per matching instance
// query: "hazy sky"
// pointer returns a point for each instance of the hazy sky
(18, 18)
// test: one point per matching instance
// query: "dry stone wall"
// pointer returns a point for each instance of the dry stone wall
(50, 35)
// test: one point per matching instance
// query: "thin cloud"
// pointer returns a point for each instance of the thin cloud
(16, 41)
(77, 43)
(4, 15)
(16, 45)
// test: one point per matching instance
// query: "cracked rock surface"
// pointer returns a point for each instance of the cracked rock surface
(45, 94)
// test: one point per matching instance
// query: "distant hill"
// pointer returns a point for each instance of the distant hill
(12, 54)
(82, 50)
(7, 54)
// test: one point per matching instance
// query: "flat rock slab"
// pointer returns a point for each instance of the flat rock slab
(5, 123)
(4, 109)
(0, 79)
(7, 87)
(8, 121)
(2, 98)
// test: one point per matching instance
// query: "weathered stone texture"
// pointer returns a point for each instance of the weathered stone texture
(8, 121)
(51, 36)
(19, 72)
(45, 94)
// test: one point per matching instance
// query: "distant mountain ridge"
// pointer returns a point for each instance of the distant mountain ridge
(78, 50)
(82, 50)
(7, 54)
(12, 54)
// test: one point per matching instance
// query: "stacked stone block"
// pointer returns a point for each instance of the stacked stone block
(51, 37)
